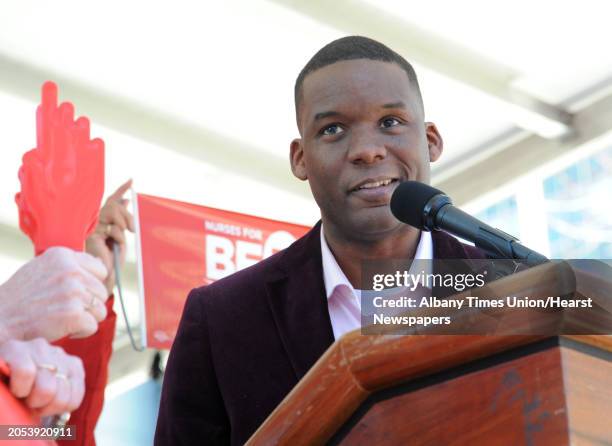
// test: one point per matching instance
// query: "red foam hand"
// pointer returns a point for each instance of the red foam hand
(62, 179)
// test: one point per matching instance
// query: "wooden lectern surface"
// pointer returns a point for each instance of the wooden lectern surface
(555, 395)
(356, 366)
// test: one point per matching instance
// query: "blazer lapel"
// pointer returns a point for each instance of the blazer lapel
(296, 296)
(297, 300)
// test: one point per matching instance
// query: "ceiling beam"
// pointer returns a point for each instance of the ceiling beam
(154, 126)
(526, 154)
(477, 173)
(441, 55)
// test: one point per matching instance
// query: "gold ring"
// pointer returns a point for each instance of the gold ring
(61, 376)
(91, 304)
(51, 367)
(108, 229)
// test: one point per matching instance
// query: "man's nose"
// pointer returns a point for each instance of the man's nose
(366, 147)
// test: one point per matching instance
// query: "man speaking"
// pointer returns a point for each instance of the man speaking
(245, 341)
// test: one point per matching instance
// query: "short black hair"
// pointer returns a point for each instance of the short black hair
(351, 48)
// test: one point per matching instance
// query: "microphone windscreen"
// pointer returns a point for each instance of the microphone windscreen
(409, 200)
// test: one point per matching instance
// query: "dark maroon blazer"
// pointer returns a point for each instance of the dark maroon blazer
(245, 341)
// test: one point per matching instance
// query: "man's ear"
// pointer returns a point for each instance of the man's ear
(434, 141)
(296, 154)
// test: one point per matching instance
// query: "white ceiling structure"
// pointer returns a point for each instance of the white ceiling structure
(194, 99)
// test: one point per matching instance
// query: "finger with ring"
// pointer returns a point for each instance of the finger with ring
(51, 367)
(91, 304)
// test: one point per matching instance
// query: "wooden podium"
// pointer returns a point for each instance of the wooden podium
(527, 389)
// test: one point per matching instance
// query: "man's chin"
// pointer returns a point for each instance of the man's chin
(373, 223)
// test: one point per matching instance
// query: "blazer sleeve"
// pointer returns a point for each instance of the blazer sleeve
(191, 409)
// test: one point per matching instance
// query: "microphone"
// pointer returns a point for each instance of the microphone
(430, 209)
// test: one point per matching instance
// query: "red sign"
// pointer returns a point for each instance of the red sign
(183, 246)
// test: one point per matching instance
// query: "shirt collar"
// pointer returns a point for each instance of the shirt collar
(334, 276)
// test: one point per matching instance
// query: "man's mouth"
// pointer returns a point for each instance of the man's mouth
(374, 183)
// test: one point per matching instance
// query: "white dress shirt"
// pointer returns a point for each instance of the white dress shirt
(345, 304)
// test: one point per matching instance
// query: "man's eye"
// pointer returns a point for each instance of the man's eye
(331, 130)
(389, 122)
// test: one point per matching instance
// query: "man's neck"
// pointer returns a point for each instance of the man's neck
(351, 252)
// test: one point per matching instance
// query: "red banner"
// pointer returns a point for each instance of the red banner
(183, 246)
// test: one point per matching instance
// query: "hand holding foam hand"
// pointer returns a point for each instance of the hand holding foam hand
(57, 294)
(49, 380)
(62, 183)
(62, 179)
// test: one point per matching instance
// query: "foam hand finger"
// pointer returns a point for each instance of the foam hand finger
(45, 116)
(82, 127)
